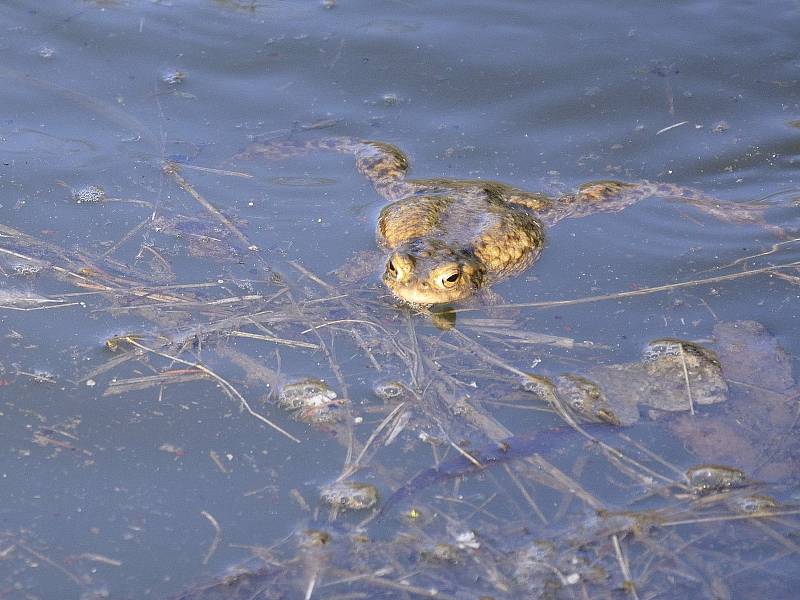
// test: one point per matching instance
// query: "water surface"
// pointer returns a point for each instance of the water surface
(111, 494)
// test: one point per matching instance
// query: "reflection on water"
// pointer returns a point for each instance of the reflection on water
(193, 404)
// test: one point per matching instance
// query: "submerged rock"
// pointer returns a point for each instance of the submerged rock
(442, 553)
(587, 399)
(311, 401)
(673, 376)
(305, 393)
(707, 479)
(755, 503)
(350, 495)
(391, 391)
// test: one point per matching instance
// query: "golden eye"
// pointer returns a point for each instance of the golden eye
(449, 280)
(391, 269)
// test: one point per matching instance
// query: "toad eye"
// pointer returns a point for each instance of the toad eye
(391, 269)
(448, 280)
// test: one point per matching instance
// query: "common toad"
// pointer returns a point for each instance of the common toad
(446, 239)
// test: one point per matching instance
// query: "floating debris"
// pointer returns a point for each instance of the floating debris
(350, 495)
(177, 451)
(115, 342)
(46, 52)
(26, 269)
(89, 194)
(665, 129)
(720, 127)
(172, 76)
(467, 539)
(387, 99)
(42, 376)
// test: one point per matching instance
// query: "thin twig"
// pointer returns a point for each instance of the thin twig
(217, 171)
(773, 250)
(528, 498)
(47, 307)
(665, 129)
(72, 577)
(276, 340)
(398, 586)
(466, 454)
(173, 170)
(760, 515)
(125, 238)
(350, 469)
(225, 385)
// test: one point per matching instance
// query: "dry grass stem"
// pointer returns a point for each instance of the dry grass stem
(323, 284)
(793, 279)
(223, 383)
(274, 340)
(686, 379)
(32, 308)
(217, 536)
(643, 291)
(98, 558)
(340, 321)
(781, 539)
(722, 518)
(213, 171)
(355, 465)
(398, 586)
(465, 454)
(121, 386)
(45, 559)
(528, 498)
(133, 231)
(775, 248)
(173, 170)
(656, 457)
(215, 458)
(623, 565)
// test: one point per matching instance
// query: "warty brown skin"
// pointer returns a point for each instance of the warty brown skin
(444, 248)
(447, 239)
